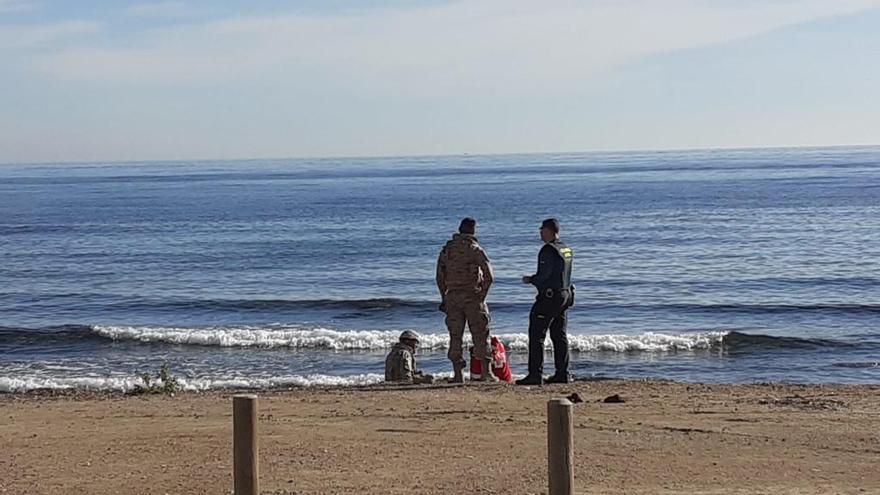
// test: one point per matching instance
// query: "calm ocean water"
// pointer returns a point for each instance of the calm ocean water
(715, 266)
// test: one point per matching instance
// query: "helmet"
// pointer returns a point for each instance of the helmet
(409, 335)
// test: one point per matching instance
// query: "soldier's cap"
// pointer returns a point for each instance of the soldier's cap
(409, 335)
(467, 226)
(552, 224)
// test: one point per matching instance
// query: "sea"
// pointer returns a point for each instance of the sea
(715, 266)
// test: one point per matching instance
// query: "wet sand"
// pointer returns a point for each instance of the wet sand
(665, 438)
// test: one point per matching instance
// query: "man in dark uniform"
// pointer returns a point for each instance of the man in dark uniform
(555, 296)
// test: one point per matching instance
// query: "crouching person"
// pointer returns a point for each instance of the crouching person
(400, 364)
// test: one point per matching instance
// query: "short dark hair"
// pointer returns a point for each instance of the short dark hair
(552, 224)
(467, 226)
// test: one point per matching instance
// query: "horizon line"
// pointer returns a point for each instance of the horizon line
(438, 155)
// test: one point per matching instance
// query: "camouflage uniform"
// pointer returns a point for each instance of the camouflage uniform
(464, 276)
(400, 365)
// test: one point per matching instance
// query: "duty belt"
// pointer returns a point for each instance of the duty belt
(548, 292)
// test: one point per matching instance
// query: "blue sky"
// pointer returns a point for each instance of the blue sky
(127, 80)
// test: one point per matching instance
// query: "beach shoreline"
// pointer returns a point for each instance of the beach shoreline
(667, 437)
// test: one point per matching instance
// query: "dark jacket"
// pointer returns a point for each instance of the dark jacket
(554, 267)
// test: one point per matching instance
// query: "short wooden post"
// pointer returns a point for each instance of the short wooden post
(244, 445)
(559, 447)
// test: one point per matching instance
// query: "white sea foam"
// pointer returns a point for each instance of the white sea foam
(298, 337)
(643, 342)
(25, 383)
(125, 384)
(267, 336)
(283, 381)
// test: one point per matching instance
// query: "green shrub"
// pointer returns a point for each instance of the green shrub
(161, 382)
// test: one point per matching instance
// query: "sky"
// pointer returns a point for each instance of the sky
(90, 80)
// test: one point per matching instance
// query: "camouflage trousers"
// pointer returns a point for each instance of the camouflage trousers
(466, 308)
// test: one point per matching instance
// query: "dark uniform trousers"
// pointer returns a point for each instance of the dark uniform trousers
(549, 313)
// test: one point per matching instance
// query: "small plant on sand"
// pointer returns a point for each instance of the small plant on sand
(161, 382)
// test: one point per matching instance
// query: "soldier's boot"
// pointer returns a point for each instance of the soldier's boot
(486, 374)
(457, 376)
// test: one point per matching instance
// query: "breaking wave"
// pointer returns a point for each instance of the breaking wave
(307, 337)
(296, 337)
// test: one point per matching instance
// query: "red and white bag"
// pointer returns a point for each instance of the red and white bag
(500, 366)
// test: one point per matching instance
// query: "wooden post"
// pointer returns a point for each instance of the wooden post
(559, 447)
(244, 445)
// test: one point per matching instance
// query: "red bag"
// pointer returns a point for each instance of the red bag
(500, 366)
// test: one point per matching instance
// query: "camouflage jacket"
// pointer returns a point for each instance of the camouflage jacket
(463, 265)
(400, 365)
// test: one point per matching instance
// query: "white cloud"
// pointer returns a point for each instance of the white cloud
(509, 46)
(16, 5)
(487, 47)
(41, 36)
(160, 10)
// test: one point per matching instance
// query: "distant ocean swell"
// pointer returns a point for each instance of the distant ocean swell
(365, 307)
(319, 338)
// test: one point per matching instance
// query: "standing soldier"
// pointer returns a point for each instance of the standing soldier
(555, 296)
(464, 276)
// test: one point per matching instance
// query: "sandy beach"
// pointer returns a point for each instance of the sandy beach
(665, 438)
